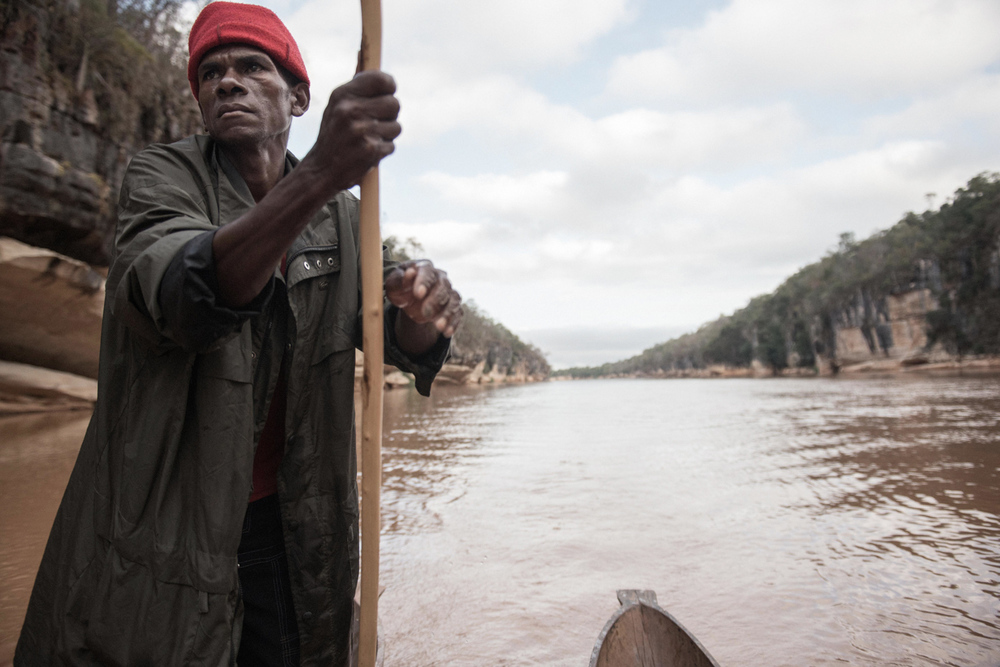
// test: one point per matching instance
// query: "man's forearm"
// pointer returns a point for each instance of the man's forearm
(247, 250)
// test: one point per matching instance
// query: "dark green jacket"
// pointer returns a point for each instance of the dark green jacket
(140, 567)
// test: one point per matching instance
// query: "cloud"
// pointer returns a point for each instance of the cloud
(966, 112)
(866, 50)
(458, 35)
(683, 179)
(456, 61)
(449, 239)
(497, 36)
(688, 229)
(506, 111)
(501, 193)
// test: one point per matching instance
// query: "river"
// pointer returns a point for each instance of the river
(784, 522)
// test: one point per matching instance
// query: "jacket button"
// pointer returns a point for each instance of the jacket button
(318, 263)
(307, 265)
(307, 615)
(329, 260)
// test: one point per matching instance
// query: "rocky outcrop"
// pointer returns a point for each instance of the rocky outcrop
(25, 388)
(889, 335)
(450, 374)
(62, 158)
(52, 307)
(393, 378)
(458, 373)
(893, 327)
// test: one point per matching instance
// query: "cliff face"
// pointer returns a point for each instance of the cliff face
(66, 134)
(892, 327)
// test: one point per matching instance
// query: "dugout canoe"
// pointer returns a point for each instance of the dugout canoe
(641, 634)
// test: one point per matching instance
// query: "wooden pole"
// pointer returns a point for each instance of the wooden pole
(372, 380)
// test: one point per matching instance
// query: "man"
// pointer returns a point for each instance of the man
(211, 517)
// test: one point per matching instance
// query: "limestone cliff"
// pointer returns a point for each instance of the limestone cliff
(79, 96)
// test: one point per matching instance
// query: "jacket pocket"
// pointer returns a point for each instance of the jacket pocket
(314, 275)
(312, 262)
(135, 619)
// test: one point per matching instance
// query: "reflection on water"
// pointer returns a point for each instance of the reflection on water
(37, 453)
(784, 522)
(908, 486)
(426, 442)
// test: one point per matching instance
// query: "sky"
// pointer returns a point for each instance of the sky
(602, 175)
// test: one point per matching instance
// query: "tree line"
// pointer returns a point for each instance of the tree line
(953, 251)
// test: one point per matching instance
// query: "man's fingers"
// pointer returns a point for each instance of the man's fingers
(437, 298)
(383, 107)
(399, 286)
(430, 299)
(358, 128)
(371, 83)
(452, 316)
(424, 278)
(388, 129)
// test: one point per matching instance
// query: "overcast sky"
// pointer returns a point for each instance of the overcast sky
(601, 175)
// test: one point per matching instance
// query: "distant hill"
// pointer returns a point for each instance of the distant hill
(926, 289)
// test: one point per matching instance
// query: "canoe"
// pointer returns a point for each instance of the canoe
(640, 634)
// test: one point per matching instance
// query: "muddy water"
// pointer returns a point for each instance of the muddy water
(37, 453)
(784, 522)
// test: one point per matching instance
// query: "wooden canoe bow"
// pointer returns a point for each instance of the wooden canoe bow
(371, 386)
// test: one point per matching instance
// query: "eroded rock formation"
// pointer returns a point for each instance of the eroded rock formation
(63, 154)
(52, 307)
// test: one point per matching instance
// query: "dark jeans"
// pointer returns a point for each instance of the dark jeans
(270, 633)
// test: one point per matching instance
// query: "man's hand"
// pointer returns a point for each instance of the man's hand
(430, 305)
(358, 128)
(357, 131)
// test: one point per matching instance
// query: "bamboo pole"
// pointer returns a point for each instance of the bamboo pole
(372, 380)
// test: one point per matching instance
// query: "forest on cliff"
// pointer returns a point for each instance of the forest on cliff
(954, 252)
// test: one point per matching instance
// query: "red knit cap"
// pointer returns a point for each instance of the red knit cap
(235, 23)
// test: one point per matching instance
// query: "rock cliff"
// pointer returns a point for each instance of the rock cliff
(52, 307)
(68, 127)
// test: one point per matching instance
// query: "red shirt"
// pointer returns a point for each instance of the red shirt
(271, 447)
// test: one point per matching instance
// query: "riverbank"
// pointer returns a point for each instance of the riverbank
(942, 365)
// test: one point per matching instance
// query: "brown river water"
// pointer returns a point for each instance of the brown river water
(785, 522)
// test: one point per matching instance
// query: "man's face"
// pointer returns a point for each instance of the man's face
(244, 99)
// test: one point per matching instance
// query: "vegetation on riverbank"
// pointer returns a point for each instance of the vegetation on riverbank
(129, 54)
(953, 252)
(480, 339)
